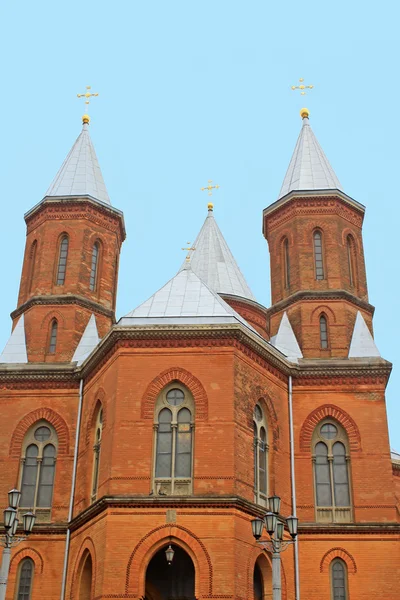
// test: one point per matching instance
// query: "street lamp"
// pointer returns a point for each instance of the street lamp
(10, 539)
(275, 544)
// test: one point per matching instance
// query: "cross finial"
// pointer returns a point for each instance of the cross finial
(302, 87)
(210, 187)
(189, 250)
(88, 94)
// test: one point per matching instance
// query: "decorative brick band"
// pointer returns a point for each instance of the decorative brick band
(184, 377)
(338, 553)
(27, 553)
(336, 413)
(47, 414)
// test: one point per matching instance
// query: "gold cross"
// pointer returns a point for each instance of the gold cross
(302, 87)
(210, 187)
(189, 249)
(87, 94)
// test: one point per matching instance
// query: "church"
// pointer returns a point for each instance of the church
(149, 446)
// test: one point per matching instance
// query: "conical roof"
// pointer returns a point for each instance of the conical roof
(15, 349)
(214, 263)
(309, 168)
(80, 173)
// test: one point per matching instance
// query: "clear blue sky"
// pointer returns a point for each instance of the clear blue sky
(191, 91)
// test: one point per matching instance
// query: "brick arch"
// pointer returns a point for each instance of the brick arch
(46, 414)
(27, 553)
(99, 398)
(53, 314)
(336, 413)
(322, 309)
(156, 539)
(338, 553)
(259, 395)
(86, 546)
(254, 554)
(184, 377)
(347, 231)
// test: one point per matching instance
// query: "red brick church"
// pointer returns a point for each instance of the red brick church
(172, 426)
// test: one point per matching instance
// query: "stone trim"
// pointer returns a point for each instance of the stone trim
(323, 295)
(337, 414)
(63, 299)
(338, 553)
(28, 420)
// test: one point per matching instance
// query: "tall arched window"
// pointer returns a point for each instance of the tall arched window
(318, 255)
(338, 580)
(62, 260)
(260, 456)
(94, 266)
(331, 473)
(351, 260)
(174, 441)
(25, 579)
(32, 261)
(38, 469)
(286, 263)
(96, 453)
(323, 332)
(53, 336)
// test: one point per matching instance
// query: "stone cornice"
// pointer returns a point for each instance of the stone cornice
(63, 299)
(39, 376)
(317, 295)
(350, 528)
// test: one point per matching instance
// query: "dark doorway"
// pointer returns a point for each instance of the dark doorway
(170, 582)
(258, 584)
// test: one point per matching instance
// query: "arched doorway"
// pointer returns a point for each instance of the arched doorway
(85, 585)
(262, 579)
(170, 582)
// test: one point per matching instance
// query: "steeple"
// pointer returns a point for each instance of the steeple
(309, 169)
(214, 263)
(80, 173)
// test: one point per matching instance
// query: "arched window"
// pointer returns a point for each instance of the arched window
(94, 266)
(338, 580)
(62, 260)
(323, 332)
(260, 456)
(38, 469)
(53, 336)
(286, 263)
(25, 579)
(96, 453)
(351, 260)
(318, 256)
(331, 473)
(174, 442)
(32, 261)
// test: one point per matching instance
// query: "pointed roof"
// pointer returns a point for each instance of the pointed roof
(185, 299)
(285, 340)
(80, 173)
(88, 342)
(362, 343)
(214, 263)
(309, 168)
(15, 349)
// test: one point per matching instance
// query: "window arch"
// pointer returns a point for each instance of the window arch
(173, 450)
(98, 432)
(318, 255)
(38, 460)
(351, 260)
(85, 584)
(338, 580)
(53, 336)
(25, 579)
(32, 261)
(323, 332)
(94, 266)
(286, 263)
(260, 456)
(331, 461)
(62, 260)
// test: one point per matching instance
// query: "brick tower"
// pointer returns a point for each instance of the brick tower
(70, 265)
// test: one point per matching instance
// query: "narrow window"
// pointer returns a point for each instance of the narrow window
(262, 461)
(53, 336)
(260, 456)
(351, 259)
(29, 476)
(322, 475)
(164, 444)
(46, 479)
(25, 579)
(340, 475)
(338, 579)
(96, 453)
(62, 260)
(32, 261)
(183, 459)
(286, 262)
(319, 264)
(93, 270)
(323, 332)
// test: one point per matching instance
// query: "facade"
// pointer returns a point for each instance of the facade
(173, 425)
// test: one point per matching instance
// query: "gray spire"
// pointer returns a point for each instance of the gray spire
(309, 168)
(80, 173)
(213, 262)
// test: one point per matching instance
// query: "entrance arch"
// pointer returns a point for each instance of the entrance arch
(170, 582)
(85, 583)
(262, 579)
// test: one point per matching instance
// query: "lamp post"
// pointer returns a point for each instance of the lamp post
(275, 544)
(10, 538)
